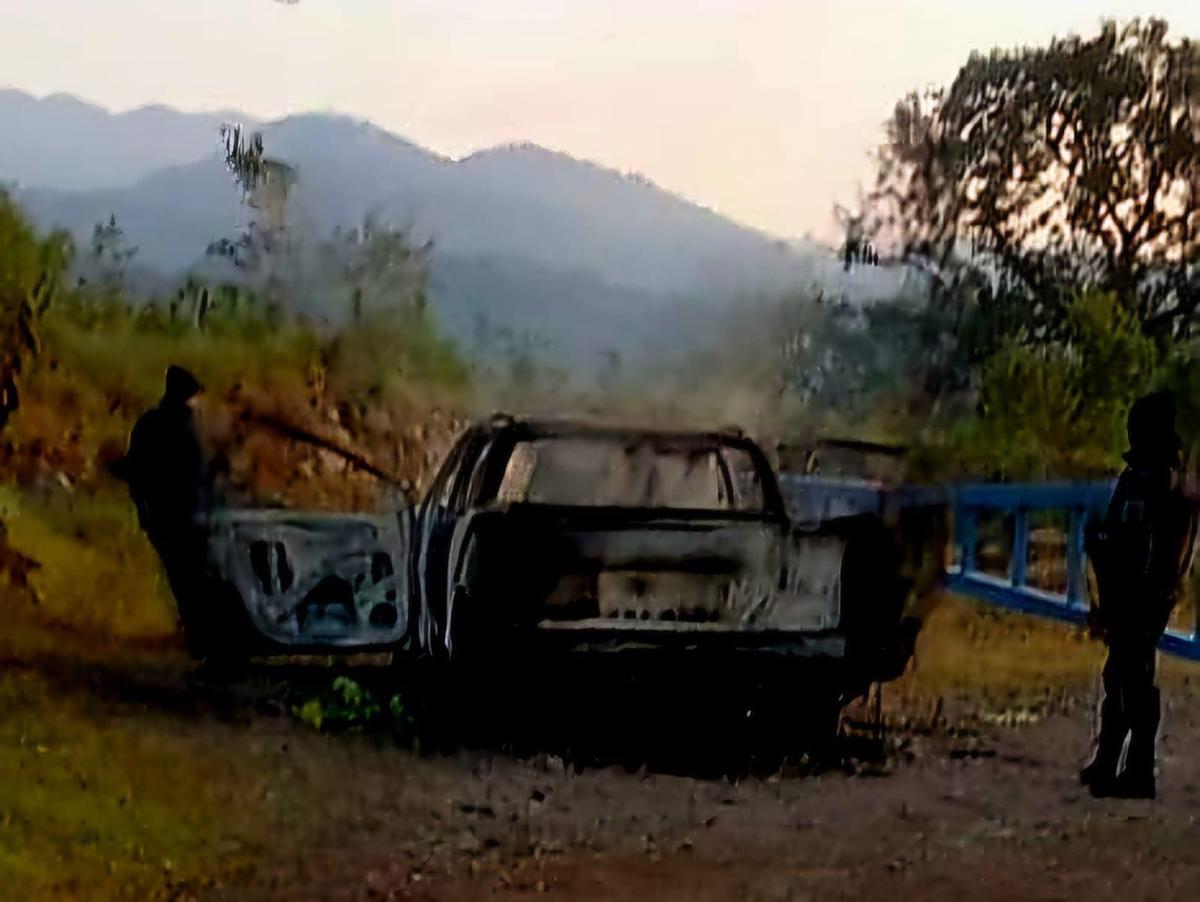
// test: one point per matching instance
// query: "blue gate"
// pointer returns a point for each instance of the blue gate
(814, 499)
(1080, 502)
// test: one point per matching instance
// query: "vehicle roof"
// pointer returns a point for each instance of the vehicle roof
(546, 427)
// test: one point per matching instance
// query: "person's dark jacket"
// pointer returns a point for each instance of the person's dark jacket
(166, 469)
(1139, 549)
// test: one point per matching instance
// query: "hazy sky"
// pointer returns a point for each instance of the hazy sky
(762, 109)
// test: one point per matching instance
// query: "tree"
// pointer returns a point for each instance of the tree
(32, 269)
(108, 255)
(1044, 171)
(381, 267)
(265, 183)
(1060, 409)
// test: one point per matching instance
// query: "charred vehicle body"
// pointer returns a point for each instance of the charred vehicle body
(539, 538)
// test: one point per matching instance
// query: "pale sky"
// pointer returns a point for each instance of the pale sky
(762, 109)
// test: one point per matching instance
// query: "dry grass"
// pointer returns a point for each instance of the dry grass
(967, 648)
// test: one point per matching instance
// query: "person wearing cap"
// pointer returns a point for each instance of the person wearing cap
(1139, 552)
(168, 478)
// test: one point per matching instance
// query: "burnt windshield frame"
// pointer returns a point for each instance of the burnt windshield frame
(505, 440)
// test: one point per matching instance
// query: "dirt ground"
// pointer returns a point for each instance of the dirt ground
(135, 780)
(991, 812)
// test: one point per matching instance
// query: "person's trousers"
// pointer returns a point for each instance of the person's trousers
(1131, 704)
(183, 552)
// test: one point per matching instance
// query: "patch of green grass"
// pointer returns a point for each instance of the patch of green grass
(93, 806)
(96, 801)
(97, 574)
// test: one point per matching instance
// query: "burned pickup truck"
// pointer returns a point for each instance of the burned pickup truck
(541, 537)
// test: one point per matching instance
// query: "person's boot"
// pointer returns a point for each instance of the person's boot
(1101, 772)
(1136, 781)
(1133, 784)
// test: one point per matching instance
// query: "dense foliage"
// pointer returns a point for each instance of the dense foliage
(87, 364)
(1043, 171)
(1050, 197)
(32, 268)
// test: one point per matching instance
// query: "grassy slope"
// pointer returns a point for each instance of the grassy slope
(115, 780)
(90, 800)
(94, 803)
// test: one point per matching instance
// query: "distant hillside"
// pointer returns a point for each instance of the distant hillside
(526, 238)
(62, 142)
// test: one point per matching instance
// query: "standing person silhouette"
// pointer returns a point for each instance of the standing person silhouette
(169, 483)
(1139, 552)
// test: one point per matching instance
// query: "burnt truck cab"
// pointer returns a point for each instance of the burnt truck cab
(539, 537)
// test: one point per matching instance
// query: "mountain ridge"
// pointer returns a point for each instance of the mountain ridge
(10, 95)
(523, 234)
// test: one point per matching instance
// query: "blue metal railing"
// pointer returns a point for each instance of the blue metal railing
(814, 499)
(1081, 502)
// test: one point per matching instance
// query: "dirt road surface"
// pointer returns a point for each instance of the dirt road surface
(984, 812)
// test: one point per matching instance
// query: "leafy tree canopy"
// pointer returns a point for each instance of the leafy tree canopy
(1041, 172)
